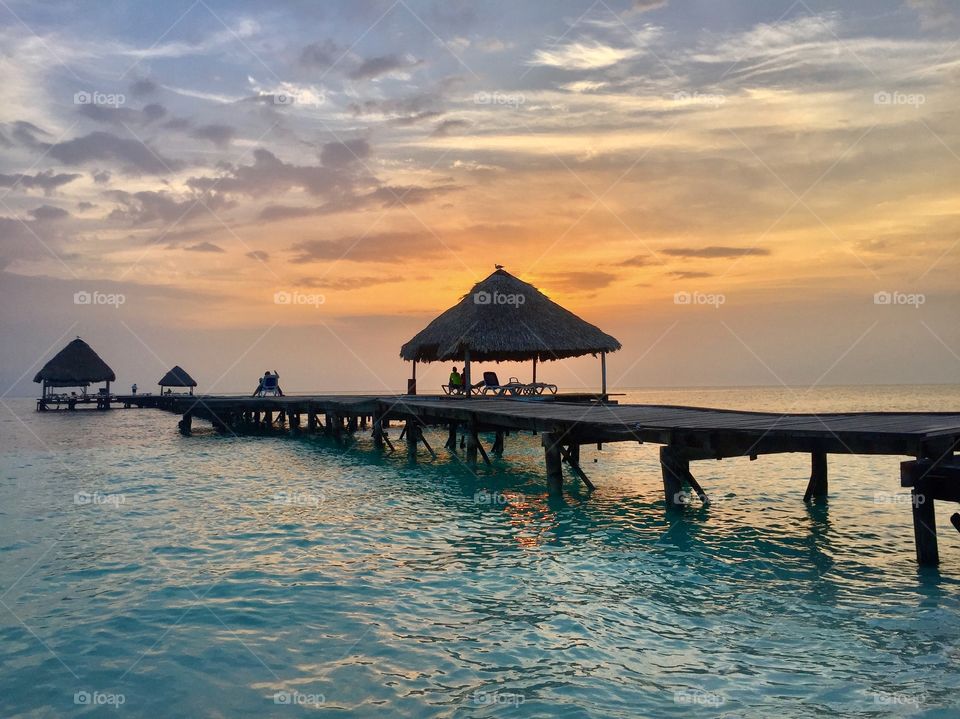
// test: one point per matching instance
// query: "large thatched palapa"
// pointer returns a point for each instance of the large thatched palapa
(177, 377)
(76, 365)
(506, 319)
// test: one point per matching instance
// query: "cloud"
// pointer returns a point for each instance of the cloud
(270, 174)
(636, 261)
(382, 65)
(320, 55)
(154, 111)
(447, 126)
(385, 197)
(204, 247)
(392, 195)
(219, 135)
(933, 14)
(715, 251)
(592, 54)
(31, 239)
(647, 5)
(101, 177)
(143, 87)
(119, 116)
(382, 247)
(48, 213)
(259, 255)
(348, 283)
(46, 181)
(455, 14)
(140, 208)
(132, 156)
(338, 154)
(580, 281)
(273, 213)
(688, 275)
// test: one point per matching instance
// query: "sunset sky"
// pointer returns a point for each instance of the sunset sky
(778, 163)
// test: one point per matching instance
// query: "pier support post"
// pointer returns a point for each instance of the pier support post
(554, 462)
(817, 487)
(412, 432)
(924, 526)
(497, 448)
(377, 431)
(914, 474)
(311, 421)
(472, 443)
(185, 424)
(675, 468)
(451, 437)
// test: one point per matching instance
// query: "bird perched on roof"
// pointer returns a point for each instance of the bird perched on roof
(499, 267)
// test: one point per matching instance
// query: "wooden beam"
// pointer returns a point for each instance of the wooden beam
(426, 444)
(572, 456)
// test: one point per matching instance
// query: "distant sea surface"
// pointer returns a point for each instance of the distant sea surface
(145, 574)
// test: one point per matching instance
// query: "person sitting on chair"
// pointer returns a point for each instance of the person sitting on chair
(455, 382)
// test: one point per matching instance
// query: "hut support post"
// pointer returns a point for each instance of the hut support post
(817, 487)
(554, 462)
(603, 375)
(534, 369)
(467, 382)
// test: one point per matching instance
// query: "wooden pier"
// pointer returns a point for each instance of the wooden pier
(686, 434)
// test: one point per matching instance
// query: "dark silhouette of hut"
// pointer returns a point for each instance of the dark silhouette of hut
(177, 377)
(506, 319)
(76, 365)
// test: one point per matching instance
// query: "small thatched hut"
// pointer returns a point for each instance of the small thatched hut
(177, 377)
(506, 319)
(76, 365)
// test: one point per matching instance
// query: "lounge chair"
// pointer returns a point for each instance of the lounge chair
(269, 385)
(514, 387)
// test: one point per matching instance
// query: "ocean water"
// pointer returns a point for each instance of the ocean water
(147, 574)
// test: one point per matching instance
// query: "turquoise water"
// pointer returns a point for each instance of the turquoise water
(147, 574)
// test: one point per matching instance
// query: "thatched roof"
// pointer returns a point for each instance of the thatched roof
(177, 377)
(76, 365)
(504, 318)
